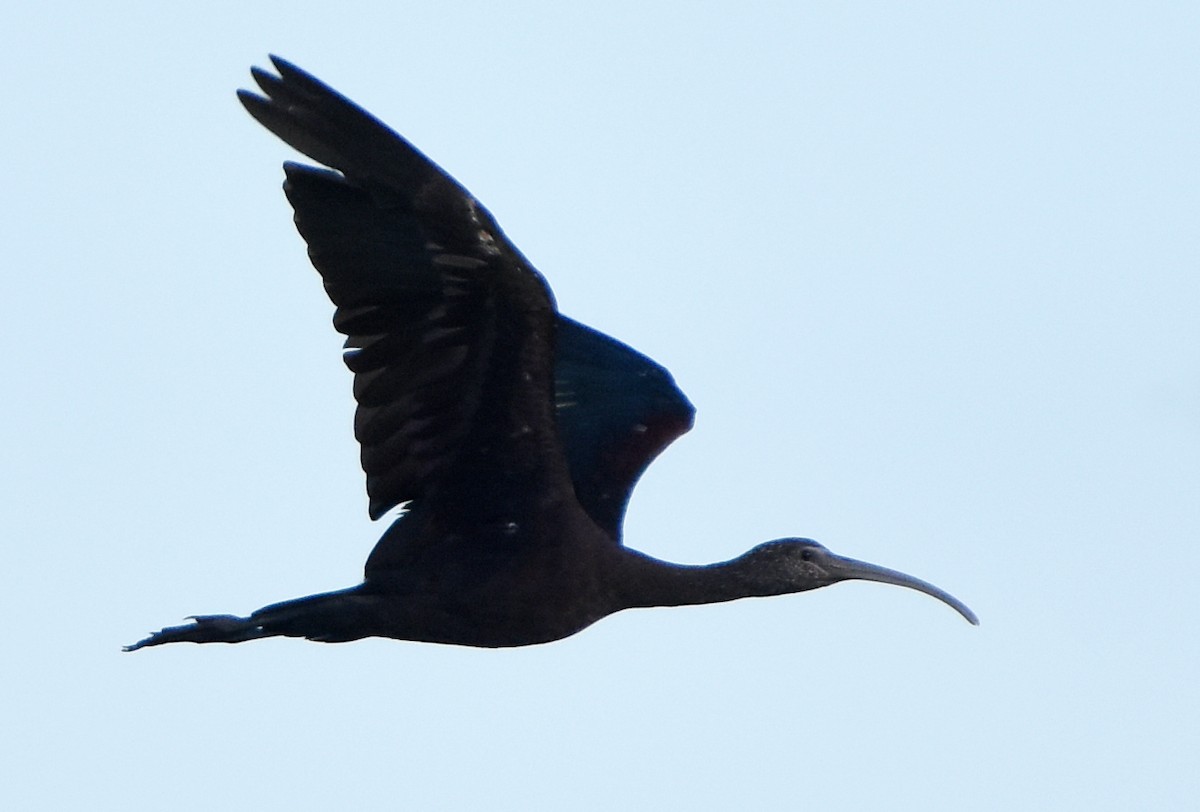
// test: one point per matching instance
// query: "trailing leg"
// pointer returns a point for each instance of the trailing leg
(331, 617)
(206, 629)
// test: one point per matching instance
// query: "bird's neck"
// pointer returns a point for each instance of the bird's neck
(649, 581)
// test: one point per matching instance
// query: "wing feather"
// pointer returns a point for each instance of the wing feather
(425, 285)
(415, 267)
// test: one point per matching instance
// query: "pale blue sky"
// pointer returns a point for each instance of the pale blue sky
(928, 273)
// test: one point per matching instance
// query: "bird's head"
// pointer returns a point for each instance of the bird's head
(796, 565)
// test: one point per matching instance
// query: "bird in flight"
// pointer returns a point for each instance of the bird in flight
(511, 435)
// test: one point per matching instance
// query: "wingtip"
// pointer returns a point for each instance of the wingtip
(283, 65)
(249, 98)
(268, 82)
(259, 107)
(298, 78)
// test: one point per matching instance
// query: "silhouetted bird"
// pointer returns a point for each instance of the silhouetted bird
(512, 434)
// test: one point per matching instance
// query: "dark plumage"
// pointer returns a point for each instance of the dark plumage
(513, 435)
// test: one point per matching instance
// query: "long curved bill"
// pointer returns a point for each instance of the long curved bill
(846, 569)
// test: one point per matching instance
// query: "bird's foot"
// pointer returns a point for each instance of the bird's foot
(204, 629)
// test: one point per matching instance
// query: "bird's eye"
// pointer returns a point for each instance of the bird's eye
(806, 554)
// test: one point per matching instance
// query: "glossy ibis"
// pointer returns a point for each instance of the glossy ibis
(511, 434)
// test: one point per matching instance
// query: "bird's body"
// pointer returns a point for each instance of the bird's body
(512, 434)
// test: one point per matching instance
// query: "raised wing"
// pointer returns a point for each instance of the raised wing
(449, 330)
(401, 246)
(616, 411)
